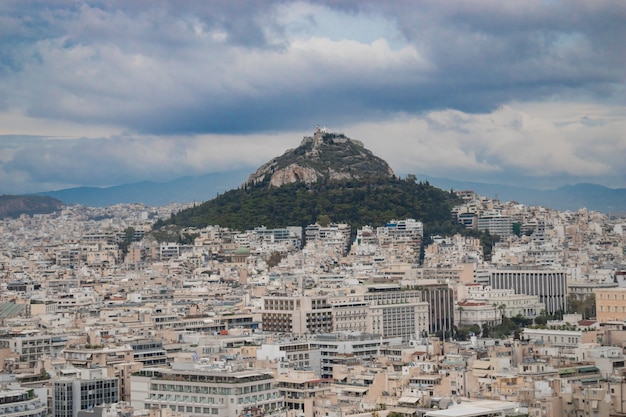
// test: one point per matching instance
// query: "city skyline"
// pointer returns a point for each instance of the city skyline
(527, 94)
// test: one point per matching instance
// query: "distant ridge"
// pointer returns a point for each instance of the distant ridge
(180, 190)
(16, 205)
(206, 187)
(568, 197)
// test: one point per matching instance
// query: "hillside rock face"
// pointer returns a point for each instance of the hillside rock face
(324, 155)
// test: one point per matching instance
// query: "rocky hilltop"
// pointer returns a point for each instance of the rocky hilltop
(323, 156)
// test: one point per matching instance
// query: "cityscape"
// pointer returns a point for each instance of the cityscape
(446, 239)
(100, 318)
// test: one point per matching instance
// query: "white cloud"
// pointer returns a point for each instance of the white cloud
(509, 145)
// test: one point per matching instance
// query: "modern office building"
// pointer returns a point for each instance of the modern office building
(549, 284)
(70, 395)
(440, 298)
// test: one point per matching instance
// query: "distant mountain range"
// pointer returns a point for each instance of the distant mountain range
(180, 190)
(206, 187)
(568, 197)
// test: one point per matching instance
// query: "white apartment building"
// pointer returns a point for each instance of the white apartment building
(21, 403)
(292, 353)
(200, 391)
(557, 338)
(340, 347)
(496, 223)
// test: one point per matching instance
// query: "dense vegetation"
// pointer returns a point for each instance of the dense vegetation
(16, 205)
(356, 202)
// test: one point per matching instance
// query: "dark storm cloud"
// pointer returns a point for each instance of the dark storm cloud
(222, 66)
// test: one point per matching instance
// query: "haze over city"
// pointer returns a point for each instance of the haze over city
(103, 93)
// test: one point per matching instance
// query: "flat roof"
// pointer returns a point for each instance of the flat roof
(474, 409)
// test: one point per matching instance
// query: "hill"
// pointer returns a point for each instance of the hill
(16, 205)
(330, 175)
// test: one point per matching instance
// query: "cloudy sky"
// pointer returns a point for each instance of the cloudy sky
(528, 93)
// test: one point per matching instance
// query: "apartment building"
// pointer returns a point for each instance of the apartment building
(200, 391)
(397, 312)
(300, 388)
(292, 353)
(346, 347)
(297, 315)
(32, 346)
(496, 223)
(351, 316)
(21, 403)
(610, 304)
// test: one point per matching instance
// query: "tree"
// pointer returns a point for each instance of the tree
(274, 259)
(323, 220)
(502, 308)
(129, 234)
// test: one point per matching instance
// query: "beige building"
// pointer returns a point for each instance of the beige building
(610, 304)
(297, 315)
(300, 388)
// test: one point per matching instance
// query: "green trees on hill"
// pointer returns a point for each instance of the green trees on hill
(356, 202)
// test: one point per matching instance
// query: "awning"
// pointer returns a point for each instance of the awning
(588, 369)
(404, 410)
(567, 371)
(481, 365)
(360, 390)
(408, 400)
